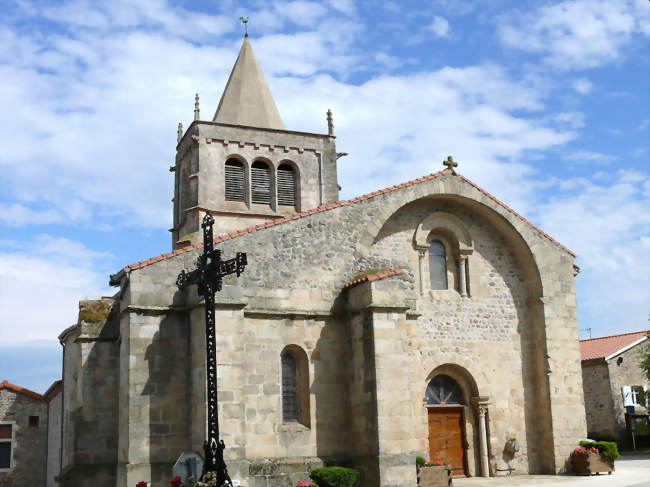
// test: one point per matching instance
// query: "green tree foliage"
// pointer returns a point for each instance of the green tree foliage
(645, 357)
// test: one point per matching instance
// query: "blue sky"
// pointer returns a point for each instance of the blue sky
(545, 104)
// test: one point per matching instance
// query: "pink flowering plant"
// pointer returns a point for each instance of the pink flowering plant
(305, 483)
(581, 450)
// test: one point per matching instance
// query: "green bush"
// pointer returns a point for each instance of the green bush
(420, 462)
(608, 449)
(334, 477)
(603, 437)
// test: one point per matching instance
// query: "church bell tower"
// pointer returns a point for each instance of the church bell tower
(244, 167)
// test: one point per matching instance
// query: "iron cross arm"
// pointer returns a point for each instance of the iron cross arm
(212, 273)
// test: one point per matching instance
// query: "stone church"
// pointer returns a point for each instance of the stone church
(427, 318)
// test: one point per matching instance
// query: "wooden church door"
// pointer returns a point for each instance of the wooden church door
(446, 423)
(446, 437)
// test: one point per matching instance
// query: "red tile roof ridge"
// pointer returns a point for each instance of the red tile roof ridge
(374, 277)
(20, 390)
(338, 204)
(609, 346)
(613, 336)
(517, 214)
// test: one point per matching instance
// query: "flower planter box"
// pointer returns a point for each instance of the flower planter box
(592, 463)
(434, 476)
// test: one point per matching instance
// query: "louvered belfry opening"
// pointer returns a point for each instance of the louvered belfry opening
(289, 388)
(235, 181)
(261, 183)
(287, 185)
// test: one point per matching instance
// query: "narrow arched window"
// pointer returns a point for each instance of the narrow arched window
(235, 185)
(261, 183)
(289, 388)
(437, 265)
(286, 185)
(443, 391)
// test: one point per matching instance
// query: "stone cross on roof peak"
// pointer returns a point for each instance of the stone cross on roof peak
(451, 164)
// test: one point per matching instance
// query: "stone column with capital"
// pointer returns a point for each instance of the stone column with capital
(481, 405)
(462, 274)
(421, 254)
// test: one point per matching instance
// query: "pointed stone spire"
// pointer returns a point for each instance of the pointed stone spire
(197, 112)
(247, 99)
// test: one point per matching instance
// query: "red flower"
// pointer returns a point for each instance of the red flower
(176, 481)
(142, 483)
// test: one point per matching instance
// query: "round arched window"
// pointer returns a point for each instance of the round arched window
(443, 391)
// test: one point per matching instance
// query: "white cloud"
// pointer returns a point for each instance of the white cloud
(16, 215)
(608, 225)
(589, 156)
(41, 284)
(439, 26)
(583, 86)
(577, 34)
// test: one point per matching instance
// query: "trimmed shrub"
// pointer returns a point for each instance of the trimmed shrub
(334, 477)
(608, 449)
(420, 462)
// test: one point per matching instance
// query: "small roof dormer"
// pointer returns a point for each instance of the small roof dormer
(247, 99)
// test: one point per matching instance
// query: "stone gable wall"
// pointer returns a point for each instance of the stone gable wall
(29, 447)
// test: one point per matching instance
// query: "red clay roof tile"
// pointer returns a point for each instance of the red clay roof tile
(374, 277)
(20, 390)
(602, 347)
(331, 206)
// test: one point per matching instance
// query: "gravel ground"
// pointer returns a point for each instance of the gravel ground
(631, 471)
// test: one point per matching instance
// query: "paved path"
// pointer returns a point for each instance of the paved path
(631, 471)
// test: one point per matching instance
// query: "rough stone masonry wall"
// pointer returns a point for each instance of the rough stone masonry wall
(90, 397)
(30, 444)
(628, 373)
(480, 333)
(598, 399)
(54, 439)
(302, 265)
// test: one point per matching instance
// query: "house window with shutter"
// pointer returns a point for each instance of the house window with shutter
(6, 445)
(235, 181)
(260, 183)
(437, 265)
(287, 188)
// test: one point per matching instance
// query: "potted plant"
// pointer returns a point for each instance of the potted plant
(594, 457)
(433, 474)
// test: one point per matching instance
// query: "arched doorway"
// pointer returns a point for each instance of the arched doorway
(446, 419)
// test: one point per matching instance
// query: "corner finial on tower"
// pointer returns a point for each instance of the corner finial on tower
(196, 107)
(179, 133)
(451, 164)
(330, 122)
(244, 20)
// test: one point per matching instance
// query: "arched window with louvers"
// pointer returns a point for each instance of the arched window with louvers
(287, 184)
(295, 385)
(235, 180)
(261, 187)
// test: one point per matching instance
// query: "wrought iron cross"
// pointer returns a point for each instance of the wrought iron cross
(209, 273)
(451, 164)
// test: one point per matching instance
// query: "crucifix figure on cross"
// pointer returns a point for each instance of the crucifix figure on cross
(208, 275)
(451, 164)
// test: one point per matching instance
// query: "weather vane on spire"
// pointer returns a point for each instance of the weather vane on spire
(244, 20)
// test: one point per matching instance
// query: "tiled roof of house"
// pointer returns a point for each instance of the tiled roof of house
(594, 348)
(374, 277)
(20, 390)
(53, 390)
(331, 206)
